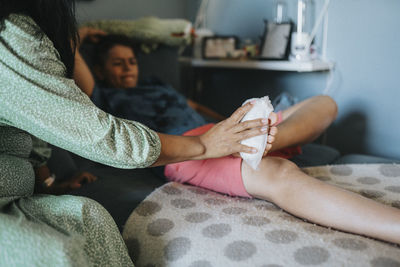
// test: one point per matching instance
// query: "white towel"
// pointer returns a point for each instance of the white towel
(261, 109)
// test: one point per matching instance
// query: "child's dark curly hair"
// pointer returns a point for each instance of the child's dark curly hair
(107, 42)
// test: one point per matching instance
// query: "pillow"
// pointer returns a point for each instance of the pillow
(149, 30)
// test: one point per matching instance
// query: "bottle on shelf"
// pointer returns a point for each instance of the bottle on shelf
(280, 12)
(300, 40)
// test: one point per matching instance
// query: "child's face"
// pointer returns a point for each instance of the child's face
(120, 69)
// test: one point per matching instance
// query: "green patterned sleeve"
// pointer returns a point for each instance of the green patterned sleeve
(36, 97)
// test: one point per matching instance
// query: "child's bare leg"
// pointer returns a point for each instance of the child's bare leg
(305, 121)
(283, 183)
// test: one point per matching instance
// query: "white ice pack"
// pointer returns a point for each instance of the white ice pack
(261, 109)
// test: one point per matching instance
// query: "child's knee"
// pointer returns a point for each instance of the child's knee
(270, 177)
(333, 108)
(329, 104)
(281, 168)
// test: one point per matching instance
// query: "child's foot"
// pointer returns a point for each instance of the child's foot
(272, 131)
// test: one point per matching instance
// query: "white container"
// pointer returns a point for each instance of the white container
(300, 40)
(300, 47)
(280, 11)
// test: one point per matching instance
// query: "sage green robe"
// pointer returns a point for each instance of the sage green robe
(36, 99)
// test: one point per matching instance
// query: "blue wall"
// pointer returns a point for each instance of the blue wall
(363, 41)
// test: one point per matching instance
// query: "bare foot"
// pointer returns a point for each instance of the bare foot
(272, 131)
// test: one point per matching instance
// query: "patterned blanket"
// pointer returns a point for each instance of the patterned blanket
(181, 225)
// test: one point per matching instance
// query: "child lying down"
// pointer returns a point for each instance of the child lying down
(274, 178)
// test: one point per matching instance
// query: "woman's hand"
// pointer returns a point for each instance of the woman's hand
(221, 140)
(225, 137)
(272, 131)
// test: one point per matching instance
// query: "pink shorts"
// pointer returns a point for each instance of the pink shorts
(222, 175)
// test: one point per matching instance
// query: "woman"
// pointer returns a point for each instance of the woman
(38, 97)
(277, 179)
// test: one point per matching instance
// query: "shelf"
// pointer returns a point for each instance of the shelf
(278, 65)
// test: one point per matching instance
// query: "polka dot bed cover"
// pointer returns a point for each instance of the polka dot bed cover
(182, 225)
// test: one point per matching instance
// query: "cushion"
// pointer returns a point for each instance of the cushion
(314, 154)
(181, 225)
(150, 30)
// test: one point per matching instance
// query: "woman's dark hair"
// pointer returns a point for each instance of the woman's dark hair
(56, 18)
(107, 42)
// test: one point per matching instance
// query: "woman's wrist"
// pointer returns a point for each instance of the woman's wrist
(198, 148)
(179, 148)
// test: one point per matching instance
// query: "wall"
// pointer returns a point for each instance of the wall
(128, 9)
(364, 44)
